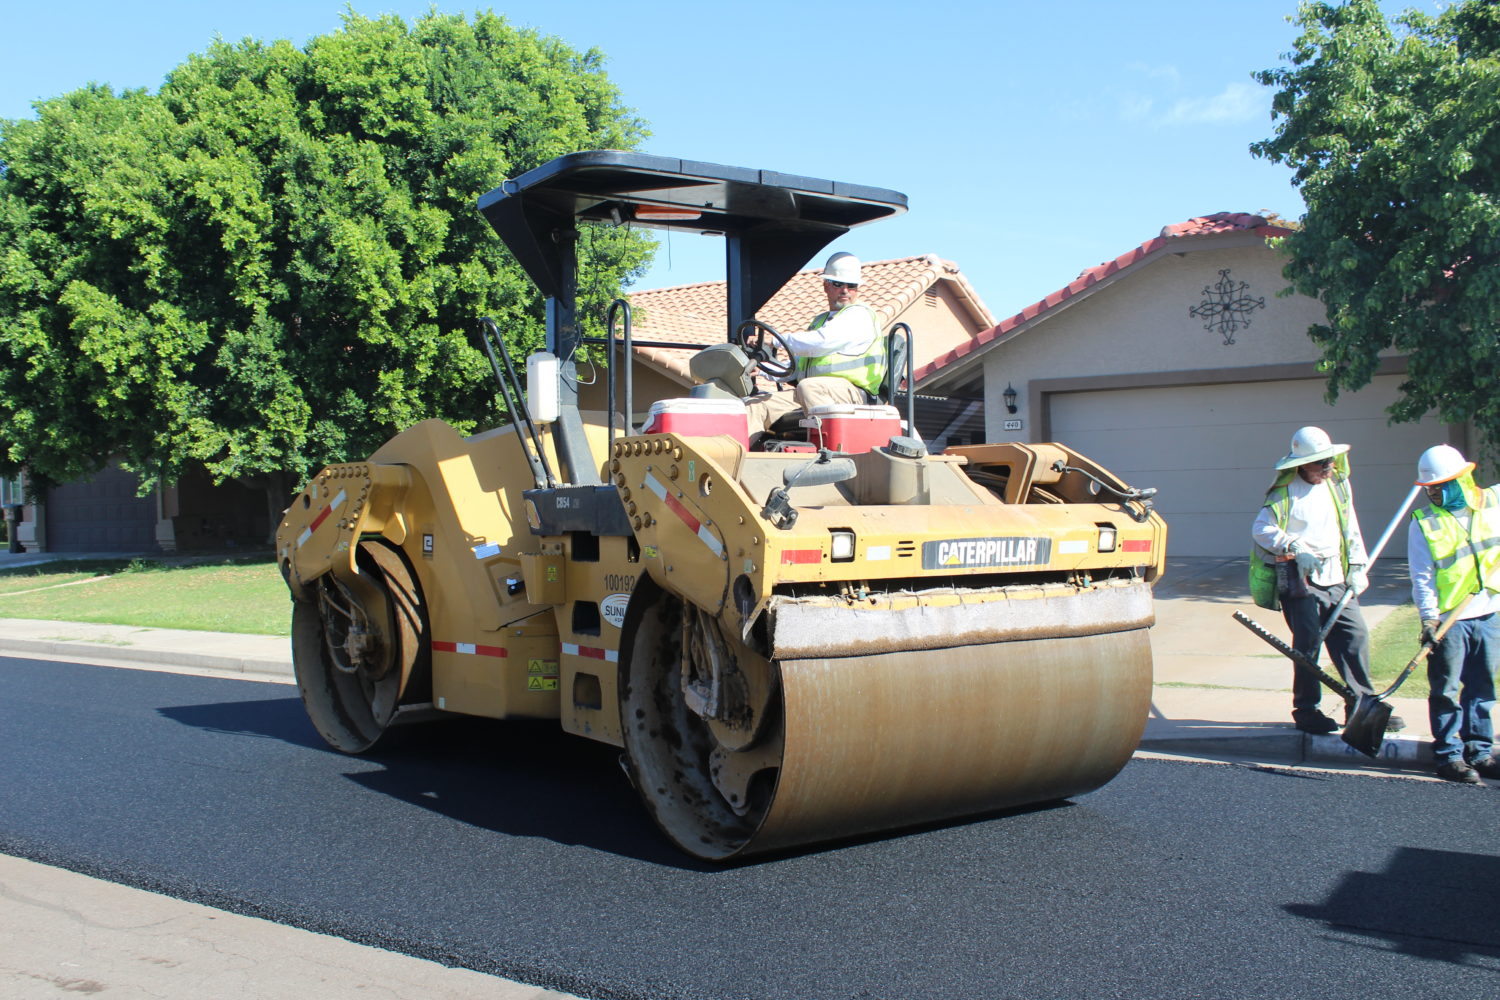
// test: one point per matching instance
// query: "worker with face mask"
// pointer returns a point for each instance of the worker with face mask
(839, 358)
(1453, 550)
(1307, 551)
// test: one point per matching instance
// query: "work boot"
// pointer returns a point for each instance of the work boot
(1457, 770)
(1310, 720)
(1487, 767)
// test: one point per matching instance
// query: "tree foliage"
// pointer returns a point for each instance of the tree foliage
(276, 260)
(1393, 130)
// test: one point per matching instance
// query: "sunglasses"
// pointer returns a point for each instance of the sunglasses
(843, 284)
(1326, 463)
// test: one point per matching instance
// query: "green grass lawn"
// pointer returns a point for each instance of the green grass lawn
(1392, 644)
(218, 596)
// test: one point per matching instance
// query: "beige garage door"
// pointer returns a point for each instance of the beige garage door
(1210, 449)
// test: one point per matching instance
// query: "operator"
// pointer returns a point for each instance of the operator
(1307, 552)
(839, 358)
(1453, 550)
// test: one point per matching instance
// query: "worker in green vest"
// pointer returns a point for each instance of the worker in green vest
(1307, 551)
(1453, 550)
(839, 358)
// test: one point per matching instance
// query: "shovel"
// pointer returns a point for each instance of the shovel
(1365, 730)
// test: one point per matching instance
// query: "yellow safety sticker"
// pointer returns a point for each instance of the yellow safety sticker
(541, 684)
(542, 668)
(652, 552)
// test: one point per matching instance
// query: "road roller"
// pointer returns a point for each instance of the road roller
(830, 632)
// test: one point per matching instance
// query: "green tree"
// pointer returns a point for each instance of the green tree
(1393, 130)
(276, 261)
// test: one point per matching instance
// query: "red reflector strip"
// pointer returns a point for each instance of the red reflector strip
(676, 507)
(791, 557)
(684, 515)
(469, 648)
(592, 652)
(1136, 545)
(307, 532)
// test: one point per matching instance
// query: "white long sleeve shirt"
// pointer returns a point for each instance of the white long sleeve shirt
(848, 331)
(1424, 572)
(1313, 523)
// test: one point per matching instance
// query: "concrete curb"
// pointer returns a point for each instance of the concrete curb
(1396, 753)
(249, 667)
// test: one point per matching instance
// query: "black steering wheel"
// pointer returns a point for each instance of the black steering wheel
(751, 335)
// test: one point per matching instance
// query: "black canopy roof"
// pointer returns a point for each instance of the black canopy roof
(774, 223)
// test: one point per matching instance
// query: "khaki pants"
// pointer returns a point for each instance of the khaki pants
(764, 408)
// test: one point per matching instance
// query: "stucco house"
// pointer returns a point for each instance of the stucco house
(1178, 365)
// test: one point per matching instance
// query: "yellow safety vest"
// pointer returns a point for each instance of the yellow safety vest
(866, 369)
(1278, 498)
(1464, 561)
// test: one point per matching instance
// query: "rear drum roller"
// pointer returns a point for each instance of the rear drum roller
(352, 669)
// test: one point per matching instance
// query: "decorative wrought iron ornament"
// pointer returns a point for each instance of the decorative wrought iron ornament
(1226, 306)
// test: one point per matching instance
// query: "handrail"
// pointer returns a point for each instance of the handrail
(531, 442)
(625, 370)
(911, 385)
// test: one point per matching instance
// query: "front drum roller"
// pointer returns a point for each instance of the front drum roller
(844, 746)
(354, 663)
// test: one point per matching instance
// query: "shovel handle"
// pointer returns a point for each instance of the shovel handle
(1373, 554)
(1426, 647)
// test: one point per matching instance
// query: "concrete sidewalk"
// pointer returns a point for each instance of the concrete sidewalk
(1220, 694)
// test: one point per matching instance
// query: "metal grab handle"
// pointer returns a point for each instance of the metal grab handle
(531, 441)
(1126, 497)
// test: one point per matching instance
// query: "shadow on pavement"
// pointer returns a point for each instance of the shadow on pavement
(521, 778)
(271, 718)
(1431, 904)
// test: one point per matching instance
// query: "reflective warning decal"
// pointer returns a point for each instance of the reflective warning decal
(683, 514)
(1136, 545)
(323, 514)
(592, 652)
(467, 648)
(792, 557)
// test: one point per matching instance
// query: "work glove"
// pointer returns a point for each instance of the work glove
(1429, 630)
(1358, 581)
(1307, 563)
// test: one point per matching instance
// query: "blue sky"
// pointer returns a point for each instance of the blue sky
(1034, 140)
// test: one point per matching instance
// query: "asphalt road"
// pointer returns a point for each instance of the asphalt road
(516, 850)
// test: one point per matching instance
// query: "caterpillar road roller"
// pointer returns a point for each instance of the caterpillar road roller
(789, 644)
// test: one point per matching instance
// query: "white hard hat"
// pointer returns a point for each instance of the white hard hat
(1440, 464)
(842, 267)
(1309, 445)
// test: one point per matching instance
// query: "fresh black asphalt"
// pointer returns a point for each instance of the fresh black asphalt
(517, 850)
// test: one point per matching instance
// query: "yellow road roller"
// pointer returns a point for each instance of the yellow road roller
(826, 633)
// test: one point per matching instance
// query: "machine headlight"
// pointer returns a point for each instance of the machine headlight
(1106, 537)
(843, 547)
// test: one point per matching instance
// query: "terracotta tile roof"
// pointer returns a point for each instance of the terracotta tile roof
(1204, 225)
(695, 314)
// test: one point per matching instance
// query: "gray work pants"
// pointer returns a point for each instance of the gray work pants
(1348, 642)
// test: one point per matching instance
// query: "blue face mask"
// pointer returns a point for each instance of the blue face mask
(1453, 497)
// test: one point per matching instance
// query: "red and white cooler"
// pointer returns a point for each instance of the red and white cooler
(690, 417)
(852, 428)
